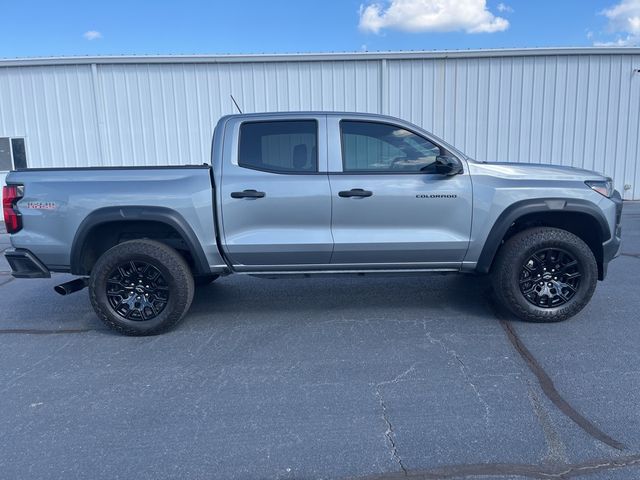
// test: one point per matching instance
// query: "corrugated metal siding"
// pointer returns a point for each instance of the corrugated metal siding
(53, 108)
(571, 109)
(166, 113)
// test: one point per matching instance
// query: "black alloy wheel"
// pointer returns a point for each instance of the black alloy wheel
(137, 291)
(550, 278)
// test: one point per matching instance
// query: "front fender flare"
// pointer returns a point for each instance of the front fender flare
(539, 205)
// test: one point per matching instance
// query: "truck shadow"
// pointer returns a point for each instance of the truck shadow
(433, 295)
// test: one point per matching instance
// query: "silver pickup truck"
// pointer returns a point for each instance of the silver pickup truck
(313, 193)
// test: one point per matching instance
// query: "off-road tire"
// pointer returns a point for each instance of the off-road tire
(171, 265)
(507, 268)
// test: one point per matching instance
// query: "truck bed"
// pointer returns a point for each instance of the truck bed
(60, 203)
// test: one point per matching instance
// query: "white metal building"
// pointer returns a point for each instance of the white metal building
(569, 106)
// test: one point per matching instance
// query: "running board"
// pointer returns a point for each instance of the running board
(360, 273)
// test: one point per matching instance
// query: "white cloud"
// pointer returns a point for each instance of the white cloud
(628, 41)
(623, 21)
(624, 17)
(504, 8)
(470, 16)
(92, 35)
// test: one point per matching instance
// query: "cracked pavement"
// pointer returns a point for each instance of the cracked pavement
(399, 377)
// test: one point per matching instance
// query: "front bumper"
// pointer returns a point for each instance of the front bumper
(611, 248)
(25, 264)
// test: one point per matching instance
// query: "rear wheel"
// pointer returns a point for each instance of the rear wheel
(544, 275)
(141, 287)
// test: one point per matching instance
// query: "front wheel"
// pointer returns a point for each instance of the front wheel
(141, 287)
(544, 275)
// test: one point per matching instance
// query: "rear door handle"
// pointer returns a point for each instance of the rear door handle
(247, 194)
(355, 192)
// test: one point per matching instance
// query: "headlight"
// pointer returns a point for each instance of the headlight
(603, 187)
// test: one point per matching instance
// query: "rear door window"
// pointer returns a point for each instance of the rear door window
(279, 146)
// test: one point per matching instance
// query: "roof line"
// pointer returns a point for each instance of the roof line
(316, 57)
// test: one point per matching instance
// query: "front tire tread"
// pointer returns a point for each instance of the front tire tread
(506, 270)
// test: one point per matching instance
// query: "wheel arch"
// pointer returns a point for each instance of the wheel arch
(580, 217)
(142, 216)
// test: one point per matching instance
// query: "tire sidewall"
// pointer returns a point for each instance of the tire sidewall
(513, 268)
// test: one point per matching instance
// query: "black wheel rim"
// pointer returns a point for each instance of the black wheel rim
(137, 291)
(550, 278)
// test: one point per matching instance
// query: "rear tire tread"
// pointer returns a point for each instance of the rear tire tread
(181, 295)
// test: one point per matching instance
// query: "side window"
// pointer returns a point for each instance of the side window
(12, 154)
(381, 147)
(279, 146)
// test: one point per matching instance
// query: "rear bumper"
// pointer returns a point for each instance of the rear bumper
(25, 264)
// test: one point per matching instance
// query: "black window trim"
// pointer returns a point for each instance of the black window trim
(280, 172)
(374, 172)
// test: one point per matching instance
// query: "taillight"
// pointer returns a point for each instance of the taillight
(10, 196)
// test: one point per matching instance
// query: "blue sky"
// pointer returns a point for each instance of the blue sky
(45, 28)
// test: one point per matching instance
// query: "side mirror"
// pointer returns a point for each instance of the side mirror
(448, 165)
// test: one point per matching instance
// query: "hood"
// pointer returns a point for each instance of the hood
(534, 171)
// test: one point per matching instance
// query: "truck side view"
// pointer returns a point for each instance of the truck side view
(313, 193)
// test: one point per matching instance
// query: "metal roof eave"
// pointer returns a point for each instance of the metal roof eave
(315, 57)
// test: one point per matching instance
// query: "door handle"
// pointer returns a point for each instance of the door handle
(355, 192)
(247, 194)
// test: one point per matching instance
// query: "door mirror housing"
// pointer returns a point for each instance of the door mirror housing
(448, 165)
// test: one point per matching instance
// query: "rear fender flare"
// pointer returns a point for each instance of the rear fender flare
(137, 213)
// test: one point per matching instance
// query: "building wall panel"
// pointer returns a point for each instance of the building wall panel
(166, 113)
(577, 111)
(572, 109)
(52, 107)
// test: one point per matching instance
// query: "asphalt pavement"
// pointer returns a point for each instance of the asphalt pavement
(403, 377)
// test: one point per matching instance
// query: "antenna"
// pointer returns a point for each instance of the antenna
(235, 103)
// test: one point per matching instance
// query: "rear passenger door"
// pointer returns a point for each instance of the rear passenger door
(275, 195)
(390, 206)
